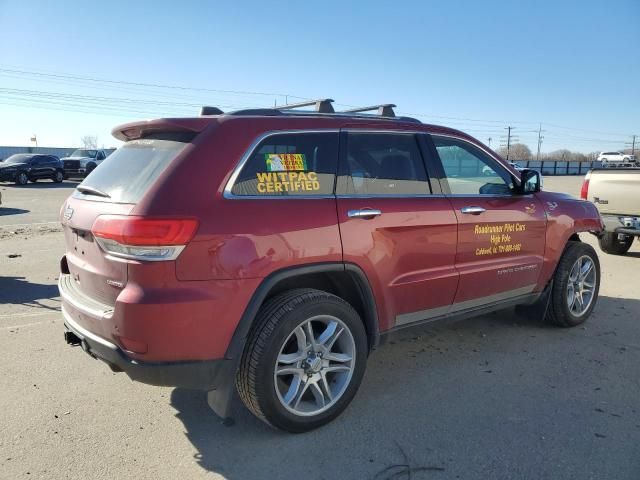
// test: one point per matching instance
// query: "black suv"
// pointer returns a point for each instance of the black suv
(28, 167)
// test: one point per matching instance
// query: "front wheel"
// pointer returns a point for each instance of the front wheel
(22, 179)
(615, 244)
(58, 177)
(575, 286)
(304, 360)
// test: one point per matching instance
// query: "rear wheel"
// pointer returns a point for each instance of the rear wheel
(615, 244)
(22, 178)
(575, 286)
(304, 360)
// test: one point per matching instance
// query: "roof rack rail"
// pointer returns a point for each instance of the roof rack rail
(210, 111)
(323, 105)
(384, 109)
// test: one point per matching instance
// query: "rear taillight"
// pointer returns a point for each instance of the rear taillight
(143, 238)
(584, 191)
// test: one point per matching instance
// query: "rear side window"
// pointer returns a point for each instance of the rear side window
(130, 171)
(383, 164)
(291, 164)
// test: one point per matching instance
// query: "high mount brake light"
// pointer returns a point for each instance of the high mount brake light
(143, 238)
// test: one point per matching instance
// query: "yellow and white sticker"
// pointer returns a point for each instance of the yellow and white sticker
(284, 182)
(285, 162)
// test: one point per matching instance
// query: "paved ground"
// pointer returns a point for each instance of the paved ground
(496, 397)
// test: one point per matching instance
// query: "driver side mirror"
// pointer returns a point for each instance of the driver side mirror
(530, 181)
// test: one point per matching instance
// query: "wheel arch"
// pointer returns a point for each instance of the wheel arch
(346, 281)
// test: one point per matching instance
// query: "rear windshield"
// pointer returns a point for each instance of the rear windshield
(130, 171)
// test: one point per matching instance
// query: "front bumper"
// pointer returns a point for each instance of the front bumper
(200, 375)
(624, 225)
(75, 172)
(8, 176)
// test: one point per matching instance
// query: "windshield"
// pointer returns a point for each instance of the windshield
(18, 158)
(130, 171)
(81, 152)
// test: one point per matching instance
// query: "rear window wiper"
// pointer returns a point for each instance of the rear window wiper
(92, 191)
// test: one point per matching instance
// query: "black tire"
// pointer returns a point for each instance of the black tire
(22, 179)
(559, 312)
(611, 243)
(275, 322)
(58, 177)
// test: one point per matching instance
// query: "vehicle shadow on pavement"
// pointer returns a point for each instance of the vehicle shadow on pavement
(12, 211)
(429, 400)
(19, 291)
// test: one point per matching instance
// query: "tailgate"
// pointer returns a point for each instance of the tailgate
(94, 273)
(616, 192)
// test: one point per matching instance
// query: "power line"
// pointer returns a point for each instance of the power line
(143, 84)
(82, 78)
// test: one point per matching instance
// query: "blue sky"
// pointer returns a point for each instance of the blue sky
(477, 66)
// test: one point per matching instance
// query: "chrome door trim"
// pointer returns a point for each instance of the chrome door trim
(412, 317)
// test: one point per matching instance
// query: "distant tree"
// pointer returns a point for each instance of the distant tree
(89, 141)
(517, 151)
(562, 155)
(578, 157)
(592, 156)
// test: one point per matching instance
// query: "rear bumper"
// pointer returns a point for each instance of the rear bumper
(625, 225)
(200, 375)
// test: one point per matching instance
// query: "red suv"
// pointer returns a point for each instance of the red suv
(271, 250)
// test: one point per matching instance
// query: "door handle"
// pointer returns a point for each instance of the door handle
(472, 210)
(364, 213)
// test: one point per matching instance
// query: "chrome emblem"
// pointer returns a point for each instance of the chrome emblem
(68, 213)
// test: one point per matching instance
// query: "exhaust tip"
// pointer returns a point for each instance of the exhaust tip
(72, 339)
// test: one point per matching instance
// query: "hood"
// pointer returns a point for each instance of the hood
(11, 165)
(559, 196)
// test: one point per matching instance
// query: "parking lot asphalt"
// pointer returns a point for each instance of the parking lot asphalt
(499, 396)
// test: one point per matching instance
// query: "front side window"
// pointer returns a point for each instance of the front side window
(290, 164)
(470, 171)
(383, 164)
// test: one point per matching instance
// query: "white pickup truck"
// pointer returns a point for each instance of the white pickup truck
(616, 194)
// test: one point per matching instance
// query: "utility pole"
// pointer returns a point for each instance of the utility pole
(632, 144)
(509, 139)
(540, 138)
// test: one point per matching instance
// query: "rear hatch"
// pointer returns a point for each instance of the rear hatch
(111, 191)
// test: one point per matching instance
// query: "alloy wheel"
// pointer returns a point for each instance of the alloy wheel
(315, 365)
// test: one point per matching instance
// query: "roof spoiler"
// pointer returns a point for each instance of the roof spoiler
(136, 130)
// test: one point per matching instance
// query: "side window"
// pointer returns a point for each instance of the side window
(291, 164)
(383, 164)
(469, 170)
(100, 156)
